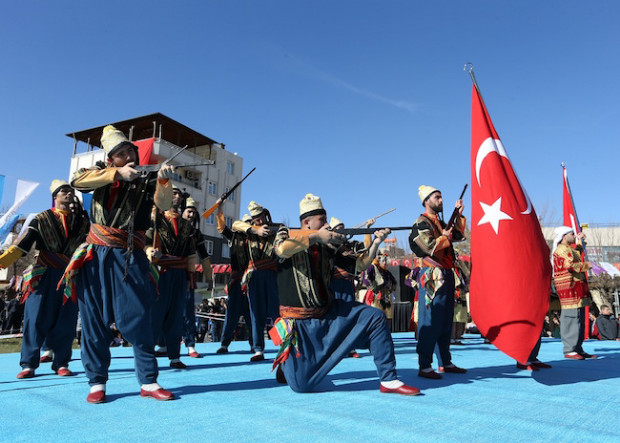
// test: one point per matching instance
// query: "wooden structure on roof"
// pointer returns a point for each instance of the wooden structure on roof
(148, 126)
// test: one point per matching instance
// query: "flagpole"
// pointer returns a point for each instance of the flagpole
(469, 67)
(576, 226)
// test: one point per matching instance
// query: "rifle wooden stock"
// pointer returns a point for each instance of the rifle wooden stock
(455, 213)
(225, 195)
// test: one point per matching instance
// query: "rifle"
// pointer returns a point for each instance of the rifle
(378, 216)
(146, 169)
(349, 232)
(455, 213)
(224, 196)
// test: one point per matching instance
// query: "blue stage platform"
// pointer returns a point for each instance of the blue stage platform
(227, 398)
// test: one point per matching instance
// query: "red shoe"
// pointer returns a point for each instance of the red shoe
(194, 354)
(354, 354)
(586, 355)
(530, 367)
(541, 365)
(403, 390)
(430, 374)
(65, 372)
(26, 373)
(45, 359)
(454, 369)
(160, 394)
(574, 356)
(440, 369)
(178, 365)
(96, 397)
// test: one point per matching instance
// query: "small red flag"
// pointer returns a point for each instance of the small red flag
(511, 270)
(570, 215)
(145, 151)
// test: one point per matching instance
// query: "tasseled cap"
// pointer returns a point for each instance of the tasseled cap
(310, 205)
(255, 209)
(112, 139)
(333, 222)
(425, 192)
(56, 185)
(191, 203)
(246, 218)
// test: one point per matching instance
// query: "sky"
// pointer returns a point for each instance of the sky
(359, 102)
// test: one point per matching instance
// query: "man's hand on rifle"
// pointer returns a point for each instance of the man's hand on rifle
(220, 206)
(328, 237)
(370, 222)
(448, 233)
(261, 231)
(381, 235)
(459, 206)
(127, 173)
(166, 171)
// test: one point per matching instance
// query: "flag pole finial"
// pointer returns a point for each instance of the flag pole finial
(563, 165)
(469, 67)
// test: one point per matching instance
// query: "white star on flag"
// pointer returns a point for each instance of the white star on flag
(493, 215)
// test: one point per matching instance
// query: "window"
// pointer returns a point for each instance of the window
(230, 167)
(211, 219)
(231, 197)
(229, 221)
(225, 250)
(212, 188)
(209, 246)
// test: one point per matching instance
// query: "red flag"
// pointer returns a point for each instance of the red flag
(570, 215)
(511, 271)
(145, 151)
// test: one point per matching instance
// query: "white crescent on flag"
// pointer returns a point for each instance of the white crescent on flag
(495, 145)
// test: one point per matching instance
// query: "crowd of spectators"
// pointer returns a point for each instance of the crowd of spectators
(11, 312)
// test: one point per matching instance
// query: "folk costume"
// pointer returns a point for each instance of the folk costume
(174, 237)
(237, 304)
(316, 329)
(260, 277)
(48, 317)
(569, 277)
(380, 284)
(110, 273)
(189, 317)
(434, 256)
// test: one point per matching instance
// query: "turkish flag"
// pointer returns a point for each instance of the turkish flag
(570, 215)
(511, 270)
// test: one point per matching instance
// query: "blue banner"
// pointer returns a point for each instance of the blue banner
(6, 227)
(86, 201)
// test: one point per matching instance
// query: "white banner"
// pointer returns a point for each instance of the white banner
(22, 192)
